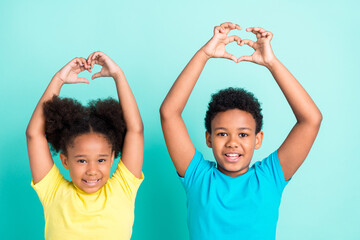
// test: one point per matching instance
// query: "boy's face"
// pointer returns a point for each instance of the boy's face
(233, 140)
(89, 160)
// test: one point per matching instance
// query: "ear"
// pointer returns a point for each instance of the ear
(208, 139)
(64, 160)
(258, 139)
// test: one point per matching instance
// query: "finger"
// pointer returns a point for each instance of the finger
(268, 35)
(257, 31)
(84, 64)
(247, 42)
(228, 26)
(79, 63)
(245, 58)
(96, 75)
(89, 58)
(95, 57)
(217, 29)
(82, 80)
(230, 56)
(233, 39)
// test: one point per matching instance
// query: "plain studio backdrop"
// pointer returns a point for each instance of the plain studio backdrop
(152, 41)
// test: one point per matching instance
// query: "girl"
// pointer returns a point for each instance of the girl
(91, 206)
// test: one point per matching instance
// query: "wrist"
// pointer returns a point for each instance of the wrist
(203, 54)
(118, 75)
(57, 80)
(272, 64)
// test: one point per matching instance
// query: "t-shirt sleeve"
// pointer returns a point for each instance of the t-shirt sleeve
(197, 167)
(48, 186)
(271, 167)
(128, 182)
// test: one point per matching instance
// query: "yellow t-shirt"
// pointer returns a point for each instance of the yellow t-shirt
(73, 214)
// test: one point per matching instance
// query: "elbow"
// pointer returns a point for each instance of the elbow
(318, 118)
(166, 112)
(29, 134)
(137, 129)
(163, 112)
(315, 120)
(32, 132)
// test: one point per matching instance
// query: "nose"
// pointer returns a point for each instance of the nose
(91, 169)
(232, 142)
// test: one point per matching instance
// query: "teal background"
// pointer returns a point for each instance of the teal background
(152, 41)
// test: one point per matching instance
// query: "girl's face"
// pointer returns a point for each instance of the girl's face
(89, 160)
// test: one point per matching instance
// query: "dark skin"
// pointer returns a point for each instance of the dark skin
(40, 158)
(299, 141)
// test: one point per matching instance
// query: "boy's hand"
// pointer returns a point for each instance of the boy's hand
(69, 73)
(109, 67)
(263, 54)
(215, 48)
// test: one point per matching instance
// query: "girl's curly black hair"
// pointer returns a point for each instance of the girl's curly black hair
(66, 118)
(234, 98)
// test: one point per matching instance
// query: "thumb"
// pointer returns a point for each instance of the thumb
(230, 56)
(82, 80)
(245, 58)
(96, 75)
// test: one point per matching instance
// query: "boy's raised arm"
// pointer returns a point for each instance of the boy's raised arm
(177, 139)
(133, 148)
(298, 143)
(38, 149)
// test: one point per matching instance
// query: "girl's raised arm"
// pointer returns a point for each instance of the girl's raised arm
(38, 149)
(133, 148)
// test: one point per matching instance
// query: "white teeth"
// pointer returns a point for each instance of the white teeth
(92, 181)
(232, 155)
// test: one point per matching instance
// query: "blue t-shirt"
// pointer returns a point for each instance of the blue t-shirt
(224, 207)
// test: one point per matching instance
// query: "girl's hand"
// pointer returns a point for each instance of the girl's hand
(109, 67)
(263, 54)
(215, 48)
(69, 73)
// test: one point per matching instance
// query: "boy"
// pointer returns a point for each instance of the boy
(229, 200)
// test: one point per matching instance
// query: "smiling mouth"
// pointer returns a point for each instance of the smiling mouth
(91, 182)
(232, 157)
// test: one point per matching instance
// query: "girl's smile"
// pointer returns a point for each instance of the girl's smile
(89, 160)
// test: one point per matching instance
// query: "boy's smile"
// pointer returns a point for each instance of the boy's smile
(89, 160)
(233, 140)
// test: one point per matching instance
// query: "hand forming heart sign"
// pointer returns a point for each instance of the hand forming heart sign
(69, 73)
(263, 54)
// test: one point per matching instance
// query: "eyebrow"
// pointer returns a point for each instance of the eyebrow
(100, 155)
(222, 128)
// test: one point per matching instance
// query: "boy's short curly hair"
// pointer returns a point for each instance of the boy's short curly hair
(234, 98)
(66, 118)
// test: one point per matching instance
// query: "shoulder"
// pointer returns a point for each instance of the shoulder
(197, 169)
(48, 187)
(127, 181)
(269, 168)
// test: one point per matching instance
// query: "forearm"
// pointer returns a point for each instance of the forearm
(179, 93)
(128, 104)
(299, 100)
(37, 122)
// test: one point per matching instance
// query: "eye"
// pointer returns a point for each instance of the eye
(81, 161)
(243, 135)
(102, 160)
(221, 134)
